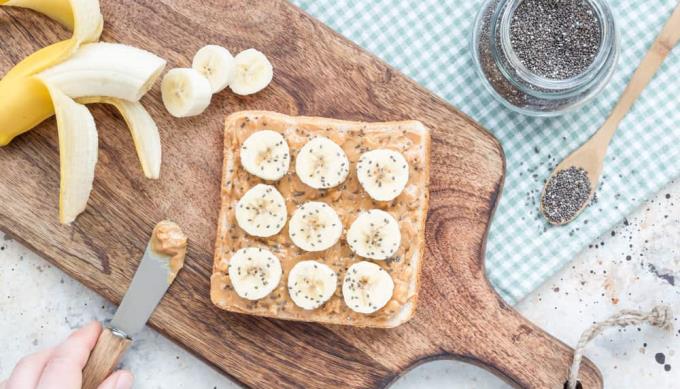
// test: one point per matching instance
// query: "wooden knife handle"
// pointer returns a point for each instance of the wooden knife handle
(104, 358)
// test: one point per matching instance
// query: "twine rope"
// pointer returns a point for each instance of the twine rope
(660, 316)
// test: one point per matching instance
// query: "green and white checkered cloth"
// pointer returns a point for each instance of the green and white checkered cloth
(429, 41)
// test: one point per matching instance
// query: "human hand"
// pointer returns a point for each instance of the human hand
(61, 367)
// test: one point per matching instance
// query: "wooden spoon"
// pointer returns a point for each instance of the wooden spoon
(590, 156)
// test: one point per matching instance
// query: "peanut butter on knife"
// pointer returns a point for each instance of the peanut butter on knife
(168, 239)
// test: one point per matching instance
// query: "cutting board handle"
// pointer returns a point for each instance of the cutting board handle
(468, 320)
(522, 354)
(104, 357)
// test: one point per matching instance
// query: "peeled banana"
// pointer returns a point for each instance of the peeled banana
(105, 69)
(30, 103)
(61, 78)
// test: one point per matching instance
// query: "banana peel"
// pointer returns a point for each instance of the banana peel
(59, 10)
(143, 129)
(29, 106)
(30, 103)
(78, 147)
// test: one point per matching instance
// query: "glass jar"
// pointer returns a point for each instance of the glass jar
(521, 90)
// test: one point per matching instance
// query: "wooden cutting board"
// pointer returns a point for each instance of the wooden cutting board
(319, 73)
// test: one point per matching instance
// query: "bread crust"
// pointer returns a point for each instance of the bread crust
(404, 302)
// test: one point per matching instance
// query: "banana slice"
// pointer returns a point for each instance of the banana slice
(311, 284)
(266, 155)
(383, 173)
(185, 92)
(217, 65)
(374, 234)
(261, 211)
(322, 164)
(252, 72)
(314, 226)
(367, 287)
(254, 272)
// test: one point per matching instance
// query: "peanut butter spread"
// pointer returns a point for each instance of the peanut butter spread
(168, 239)
(348, 200)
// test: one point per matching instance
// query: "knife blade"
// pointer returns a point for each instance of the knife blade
(163, 257)
(146, 290)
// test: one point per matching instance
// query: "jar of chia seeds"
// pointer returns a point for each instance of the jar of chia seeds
(545, 57)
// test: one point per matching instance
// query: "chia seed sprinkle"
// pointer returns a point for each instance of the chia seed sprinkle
(565, 194)
(556, 39)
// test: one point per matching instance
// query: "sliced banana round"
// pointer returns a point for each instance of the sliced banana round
(383, 173)
(265, 154)
(311, 284)
(314, 226)
(261, 211)
(367, 287)
(185, 92)
(322, 164)
(217, 65)
(252, 72)
(374, 234)
(254, 272)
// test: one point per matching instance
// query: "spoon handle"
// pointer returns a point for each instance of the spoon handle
(667, 38)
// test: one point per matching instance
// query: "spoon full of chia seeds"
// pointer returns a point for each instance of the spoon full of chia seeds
(574, 180)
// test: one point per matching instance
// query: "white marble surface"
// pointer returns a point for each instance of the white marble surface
(635, 266)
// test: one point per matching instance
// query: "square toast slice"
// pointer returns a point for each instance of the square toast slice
(410, 138)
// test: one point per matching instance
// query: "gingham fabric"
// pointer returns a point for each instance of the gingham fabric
(429, 41)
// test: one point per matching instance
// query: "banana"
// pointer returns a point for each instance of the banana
(47, 82)
(311, 284)
(382, 173)
(374, 234)
(265, 154)
(322, 164)
(77, 154)
(367, 287)
(261, 211)
(185, 92)
(30, 101)
(217, 65)
(252, 72)
(143, 129)
(105, 69)
(314, 226)
(254, 272)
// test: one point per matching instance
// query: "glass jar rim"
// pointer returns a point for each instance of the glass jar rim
(607, 35)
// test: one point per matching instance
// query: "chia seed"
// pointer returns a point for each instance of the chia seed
(533, 34)
(556, 39)
(565, 194)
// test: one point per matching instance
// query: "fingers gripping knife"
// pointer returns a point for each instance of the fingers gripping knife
(163, 258)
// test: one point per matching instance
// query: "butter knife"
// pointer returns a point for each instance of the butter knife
(163, 258)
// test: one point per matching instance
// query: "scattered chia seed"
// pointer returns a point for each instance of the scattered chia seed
(660, 358)
(556, 39)
(565, 194)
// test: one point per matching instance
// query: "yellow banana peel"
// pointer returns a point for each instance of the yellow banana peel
(29, 106)
(31, 103)
(59, 10)
(143, 129)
